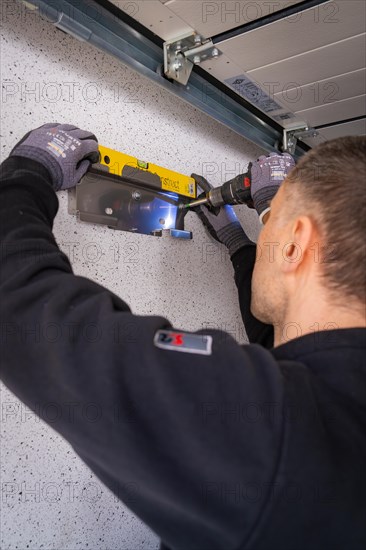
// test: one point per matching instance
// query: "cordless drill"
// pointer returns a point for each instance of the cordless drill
(235, 191)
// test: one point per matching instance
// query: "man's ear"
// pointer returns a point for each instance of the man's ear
(296, 250)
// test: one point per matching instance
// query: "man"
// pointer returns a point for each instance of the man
(260, 446)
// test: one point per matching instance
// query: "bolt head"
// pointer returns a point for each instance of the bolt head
(215, 52)
(177, 64)
(197, 59)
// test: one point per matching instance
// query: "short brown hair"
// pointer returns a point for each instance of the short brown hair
(332, 178)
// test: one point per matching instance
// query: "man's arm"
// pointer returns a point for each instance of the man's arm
(155, 425)
(265, 175)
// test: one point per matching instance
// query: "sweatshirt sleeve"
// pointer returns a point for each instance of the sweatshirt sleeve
(243, 262)
(170, 431)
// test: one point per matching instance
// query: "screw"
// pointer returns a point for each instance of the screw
(177, 65)
(215, 52)
(136, 195)
(108, 211)
(197, 40)
(197, 59)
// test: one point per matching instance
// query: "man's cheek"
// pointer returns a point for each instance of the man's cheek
(256, 276)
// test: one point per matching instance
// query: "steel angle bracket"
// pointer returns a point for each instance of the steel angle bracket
(127, 194)
(292, 135)
(181, 54)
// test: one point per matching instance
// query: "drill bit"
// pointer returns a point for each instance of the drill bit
(194, 203)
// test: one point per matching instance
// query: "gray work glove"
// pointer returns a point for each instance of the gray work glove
(64, 150)
(266, 175)
(221, 223)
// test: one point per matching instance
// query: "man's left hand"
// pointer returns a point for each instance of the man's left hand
(64, 150)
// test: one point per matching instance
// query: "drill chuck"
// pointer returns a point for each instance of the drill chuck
(235, 191)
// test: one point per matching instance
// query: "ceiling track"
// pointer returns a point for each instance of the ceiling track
(267, 20)
(111, 30)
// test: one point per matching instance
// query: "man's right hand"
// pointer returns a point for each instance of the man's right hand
(266, 175)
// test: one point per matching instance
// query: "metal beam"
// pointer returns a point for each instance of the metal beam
(87, 20)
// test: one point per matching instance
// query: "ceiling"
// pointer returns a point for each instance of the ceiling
(305, 69)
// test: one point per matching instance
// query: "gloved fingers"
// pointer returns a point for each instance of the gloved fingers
(49, 125)
(256, 170)
(82, 134)
(45, 127)
(202, 182)
(271, 155)
(67, 127)
(88, 149)
(82, 170)
(94, 157)
(217, 216)
(262, 168)
(289, 158)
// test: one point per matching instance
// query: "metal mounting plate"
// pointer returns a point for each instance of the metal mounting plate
(123, 205)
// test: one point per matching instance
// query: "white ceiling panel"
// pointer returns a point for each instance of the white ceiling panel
(228, 72)
(340, 110)
(323, 92)
(301, 33)
(308, 68)
(355, 128)
(156, 17)
(329, 61)
(222, 67)
(211, 18)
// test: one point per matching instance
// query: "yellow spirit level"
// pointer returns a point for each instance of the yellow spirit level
(121, 164)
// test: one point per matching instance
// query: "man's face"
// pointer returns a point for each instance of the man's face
(269, 297)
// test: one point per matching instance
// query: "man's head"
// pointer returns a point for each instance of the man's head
(314, 239)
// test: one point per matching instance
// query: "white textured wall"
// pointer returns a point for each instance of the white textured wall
(49, 498)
